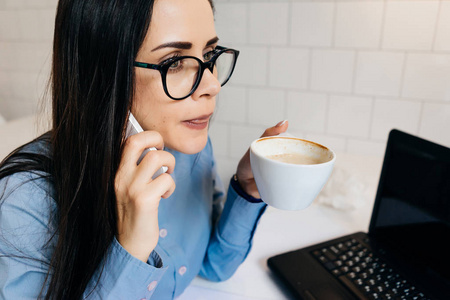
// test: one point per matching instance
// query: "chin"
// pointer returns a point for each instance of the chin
(190, 146)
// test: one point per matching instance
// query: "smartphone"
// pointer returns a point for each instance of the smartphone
(133, 127)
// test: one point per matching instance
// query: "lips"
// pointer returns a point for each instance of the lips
(200, 122)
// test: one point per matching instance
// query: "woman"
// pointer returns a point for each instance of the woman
(79, 218)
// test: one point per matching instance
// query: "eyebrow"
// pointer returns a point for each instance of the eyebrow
(183, 45)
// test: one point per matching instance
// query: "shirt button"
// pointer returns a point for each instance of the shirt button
(182, 270)
(152, 285)
(163, 233)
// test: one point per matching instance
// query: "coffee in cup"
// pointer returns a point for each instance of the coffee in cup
(295, 158)
(290, 172)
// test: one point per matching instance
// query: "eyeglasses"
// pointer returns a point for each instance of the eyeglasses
(181, 75)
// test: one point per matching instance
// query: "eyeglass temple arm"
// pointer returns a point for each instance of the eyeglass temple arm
(145, 65)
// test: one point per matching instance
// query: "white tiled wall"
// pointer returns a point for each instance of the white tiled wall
(410, 25)
(343, 72)
(26, 33)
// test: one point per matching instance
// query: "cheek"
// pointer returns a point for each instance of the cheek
(146, 91)
(149, 100)
(153, 109)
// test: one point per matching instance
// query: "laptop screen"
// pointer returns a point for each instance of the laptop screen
(412, 209)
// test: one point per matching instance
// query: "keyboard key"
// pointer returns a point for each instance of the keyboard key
(359, 281)
(361, 253)
(334, 250)
(336, 272)
(341, 247)
(343, 257)
(330, 265)
(338, 263)
(329, 254)
(371, 282)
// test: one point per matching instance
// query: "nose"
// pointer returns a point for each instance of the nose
(209, 86)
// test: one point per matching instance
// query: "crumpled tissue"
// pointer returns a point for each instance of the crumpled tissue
(343, 191)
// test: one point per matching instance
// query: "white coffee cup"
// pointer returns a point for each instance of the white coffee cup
(287, 185)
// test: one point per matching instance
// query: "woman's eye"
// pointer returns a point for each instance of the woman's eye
(174, 65)
(207, 56)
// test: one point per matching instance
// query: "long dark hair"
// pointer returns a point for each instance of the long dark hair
(95, 44)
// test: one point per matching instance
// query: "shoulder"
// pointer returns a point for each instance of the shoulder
(27, 194)
(40, 145)
(28, 216)
(26, 186)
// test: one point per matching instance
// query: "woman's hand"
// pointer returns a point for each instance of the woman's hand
(138, 196)
(244, 170)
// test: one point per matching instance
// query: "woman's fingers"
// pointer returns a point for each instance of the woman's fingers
(281, 127)
(165, 185)
(145, 198)
(136, 144)
(151, 163)
(133, 149)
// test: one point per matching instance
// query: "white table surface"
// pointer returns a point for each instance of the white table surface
(281, 231)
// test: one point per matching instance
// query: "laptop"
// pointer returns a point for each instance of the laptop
(405, 254)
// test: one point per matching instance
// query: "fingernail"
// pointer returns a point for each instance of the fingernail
(281, 123)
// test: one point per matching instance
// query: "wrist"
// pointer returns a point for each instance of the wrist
(139, 250)
(141, 254)
(238, 187)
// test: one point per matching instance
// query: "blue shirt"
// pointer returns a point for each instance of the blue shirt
(199, 235)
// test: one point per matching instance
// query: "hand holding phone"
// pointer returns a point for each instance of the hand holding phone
(133, 127)
(138, 197)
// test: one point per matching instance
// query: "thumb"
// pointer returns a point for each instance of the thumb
(277, 129)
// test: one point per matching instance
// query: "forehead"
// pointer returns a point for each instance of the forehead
(181, 20)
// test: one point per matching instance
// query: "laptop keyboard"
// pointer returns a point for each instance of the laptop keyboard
(365, 274)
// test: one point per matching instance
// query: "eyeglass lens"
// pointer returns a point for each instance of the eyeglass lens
(183, 74)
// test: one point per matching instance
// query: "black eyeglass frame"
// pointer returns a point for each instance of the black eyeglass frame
(164, 67)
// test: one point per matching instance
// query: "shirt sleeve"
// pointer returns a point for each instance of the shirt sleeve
(26, 227)
(232, 234)
(126, 277)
